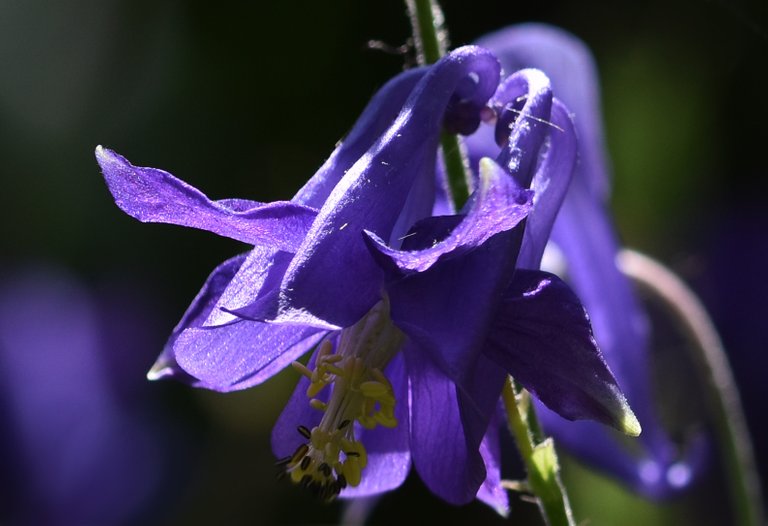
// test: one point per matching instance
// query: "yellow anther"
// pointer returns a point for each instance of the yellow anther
(318, 404)
(302, 369)
(297, 475)
(314, 388)
(373, 389)
(384, 420)
(378, 375)
(358, 395)
(352, 471)
(333, 358)
(335, 370)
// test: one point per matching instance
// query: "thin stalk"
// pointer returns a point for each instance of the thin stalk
(431, 41)
(723, 396)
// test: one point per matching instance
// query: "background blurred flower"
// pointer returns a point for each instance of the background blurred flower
(79, 444)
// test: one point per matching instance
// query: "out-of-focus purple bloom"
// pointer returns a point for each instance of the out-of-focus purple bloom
(74, 451)
(586, 237)
(416, 319)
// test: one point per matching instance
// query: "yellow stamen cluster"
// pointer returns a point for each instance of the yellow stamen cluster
(332, 457)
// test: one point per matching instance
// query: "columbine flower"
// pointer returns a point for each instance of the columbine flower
(416, 319)
(586, 238)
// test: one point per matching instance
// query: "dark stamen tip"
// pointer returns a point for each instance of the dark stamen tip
(304, 431)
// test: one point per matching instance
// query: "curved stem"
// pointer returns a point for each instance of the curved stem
(724, 401)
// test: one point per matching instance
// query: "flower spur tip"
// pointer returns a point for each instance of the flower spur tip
(628, 424)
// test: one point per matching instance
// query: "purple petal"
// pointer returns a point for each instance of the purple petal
(242, 354)
(491, 492)
(570, 67)
(542, 337)
(551, 182)
(373, 196)
(523, 104)
(155, 196)
(253, 289)
(498, 205)
(389, 455)
(376, 118)
(166, 367)
(421, 303)
(445, 457)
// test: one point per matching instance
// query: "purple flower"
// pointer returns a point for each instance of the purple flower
(74, 451)
(586, 237)
(415, 318)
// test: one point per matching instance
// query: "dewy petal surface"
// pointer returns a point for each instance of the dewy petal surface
(542, 337)
(155, 196)
(372, 194)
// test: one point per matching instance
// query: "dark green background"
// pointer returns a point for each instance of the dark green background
(246, 100)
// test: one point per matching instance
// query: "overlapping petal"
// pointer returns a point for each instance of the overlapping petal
(373, 194)
(542, 336)
(497, 206)
(444, 456)
(199, 310)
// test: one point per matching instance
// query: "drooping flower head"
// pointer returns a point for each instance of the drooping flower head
(415, 319)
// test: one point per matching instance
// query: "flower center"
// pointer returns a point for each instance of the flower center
(361, 395)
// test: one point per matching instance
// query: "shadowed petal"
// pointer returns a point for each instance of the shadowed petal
(497, 206)
(477, 259)
(256, 284)
(542, 337)
(155, 196)
(444, 457)
(373, 195)
(242, 354)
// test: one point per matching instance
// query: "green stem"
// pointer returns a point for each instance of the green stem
(711, 359)
(429, 35)
(539, 458)
(431, 41)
